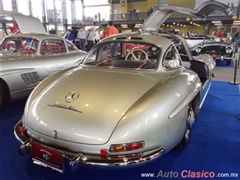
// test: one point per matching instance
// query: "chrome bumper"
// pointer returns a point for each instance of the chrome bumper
(74, 159)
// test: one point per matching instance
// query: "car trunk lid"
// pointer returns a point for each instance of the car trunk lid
(86, 105)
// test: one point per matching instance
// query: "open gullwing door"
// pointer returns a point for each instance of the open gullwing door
(26, 24)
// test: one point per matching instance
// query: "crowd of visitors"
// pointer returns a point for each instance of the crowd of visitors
(88, 38)
(133, 14)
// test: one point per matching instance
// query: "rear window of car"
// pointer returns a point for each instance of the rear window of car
(133, 55)
(52, 46)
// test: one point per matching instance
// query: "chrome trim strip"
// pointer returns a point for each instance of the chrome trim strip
(112, 160)
(206, 93)
(26, 89)
(40, 163)
(71, 108)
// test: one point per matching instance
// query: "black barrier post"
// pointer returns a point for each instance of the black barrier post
(238, 64)
(235, 71)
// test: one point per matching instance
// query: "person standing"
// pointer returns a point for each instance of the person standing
(112, 30)
(130, 14)
(237, 40)
(151, 10)
(105, 33)
(70, 36)
(137, 11)
(97, 36)
(89, 40)
(82, 36)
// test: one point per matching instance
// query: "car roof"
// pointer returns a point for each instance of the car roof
(38, 36)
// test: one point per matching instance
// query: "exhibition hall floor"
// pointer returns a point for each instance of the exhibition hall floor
(213, 150)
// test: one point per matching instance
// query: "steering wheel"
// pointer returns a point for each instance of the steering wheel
(141, 55)
(30, 48)
(27, 49)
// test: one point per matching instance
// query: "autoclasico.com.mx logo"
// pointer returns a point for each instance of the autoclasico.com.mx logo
(189, 174)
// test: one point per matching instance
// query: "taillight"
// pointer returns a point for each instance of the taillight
(126, 147)
(134, 146)
(118, 148)
(21, 128)
(104, 152)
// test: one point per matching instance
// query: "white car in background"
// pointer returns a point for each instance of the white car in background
(29, 57)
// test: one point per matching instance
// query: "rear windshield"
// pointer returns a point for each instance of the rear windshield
(124, 55)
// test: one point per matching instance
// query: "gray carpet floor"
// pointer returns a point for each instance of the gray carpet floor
(226, 74)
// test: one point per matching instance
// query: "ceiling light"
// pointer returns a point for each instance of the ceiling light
(214, 22)
(124, 25)
(138, 25)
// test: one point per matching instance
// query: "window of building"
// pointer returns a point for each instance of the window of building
(37, 9)
(7, 5)
(23, 7)
(95, 2)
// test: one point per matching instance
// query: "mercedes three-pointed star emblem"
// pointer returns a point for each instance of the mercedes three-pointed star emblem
(71, 97)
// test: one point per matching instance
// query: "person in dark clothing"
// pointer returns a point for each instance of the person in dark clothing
(90, 38)
(237, 40)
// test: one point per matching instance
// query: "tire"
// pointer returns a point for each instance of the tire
(229, 62)
(188, 130)
(2, 96)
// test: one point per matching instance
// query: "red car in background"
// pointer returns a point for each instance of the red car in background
(136, 52)
(10, 45)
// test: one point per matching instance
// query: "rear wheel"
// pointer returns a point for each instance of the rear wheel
(2, 96)
(189, 123)
(229, 62)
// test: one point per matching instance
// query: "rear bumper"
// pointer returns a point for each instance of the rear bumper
(224, 58)
(73, 160)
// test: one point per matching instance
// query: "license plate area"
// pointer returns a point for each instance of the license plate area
(47, 157)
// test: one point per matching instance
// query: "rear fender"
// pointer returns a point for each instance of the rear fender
(6, 90)
(43, 85)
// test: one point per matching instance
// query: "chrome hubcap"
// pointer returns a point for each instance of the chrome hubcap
(191, 118)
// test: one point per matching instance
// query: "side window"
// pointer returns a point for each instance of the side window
(71, 47)
(53, 46)
(172, 59)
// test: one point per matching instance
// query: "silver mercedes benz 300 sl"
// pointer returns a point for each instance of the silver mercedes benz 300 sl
(28, 58)
(130, 101)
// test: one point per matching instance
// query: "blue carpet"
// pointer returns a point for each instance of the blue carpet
(214, 146)
(224, 64)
